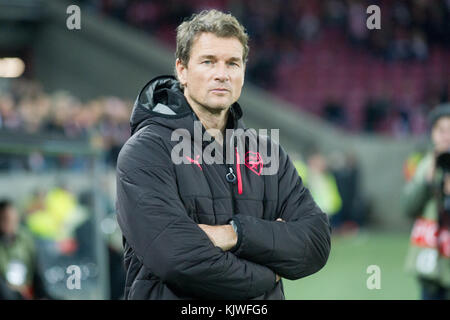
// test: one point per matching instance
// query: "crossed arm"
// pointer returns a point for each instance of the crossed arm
(296, 248)
(224, 236)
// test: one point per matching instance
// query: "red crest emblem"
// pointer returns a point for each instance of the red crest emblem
(254, 162)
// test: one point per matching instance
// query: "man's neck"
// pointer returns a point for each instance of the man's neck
(214, 121)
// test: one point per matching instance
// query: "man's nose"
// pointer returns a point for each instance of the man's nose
(221, 72)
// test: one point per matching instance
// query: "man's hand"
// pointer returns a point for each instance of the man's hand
(222, 236)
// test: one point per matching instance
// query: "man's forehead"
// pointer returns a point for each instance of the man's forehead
(208, 44)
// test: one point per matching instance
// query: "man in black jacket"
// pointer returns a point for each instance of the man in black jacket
(200, 229)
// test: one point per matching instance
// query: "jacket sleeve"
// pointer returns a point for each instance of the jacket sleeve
(417, 192)
(295, 248)
(167, 241)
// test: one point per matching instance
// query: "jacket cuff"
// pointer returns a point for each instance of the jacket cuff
(238, 229)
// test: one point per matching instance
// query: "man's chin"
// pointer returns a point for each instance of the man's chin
(218, 107)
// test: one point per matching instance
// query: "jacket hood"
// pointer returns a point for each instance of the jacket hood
(162, 101)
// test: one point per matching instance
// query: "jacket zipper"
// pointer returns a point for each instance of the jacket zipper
(238, 171)
(231, 178)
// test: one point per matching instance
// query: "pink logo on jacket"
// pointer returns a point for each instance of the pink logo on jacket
(254, 162)
(195, 161)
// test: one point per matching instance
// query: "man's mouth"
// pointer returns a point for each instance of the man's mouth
(220, 90)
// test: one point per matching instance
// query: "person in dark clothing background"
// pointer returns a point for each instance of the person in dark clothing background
(194, 229)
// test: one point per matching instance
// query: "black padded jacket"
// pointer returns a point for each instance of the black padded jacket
(160, 204)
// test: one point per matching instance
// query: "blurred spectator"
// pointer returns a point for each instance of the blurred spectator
(354, 210)
(320, 182)
(335, 188)
(56, 217)
(53, 218)
(64, 226)
(20, 277)
(335, 113)
(424, 199)
(375, 116)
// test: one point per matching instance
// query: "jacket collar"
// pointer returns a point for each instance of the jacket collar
(162, 101)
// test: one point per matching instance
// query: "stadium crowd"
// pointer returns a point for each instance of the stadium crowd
(26, 107)
(296, 45)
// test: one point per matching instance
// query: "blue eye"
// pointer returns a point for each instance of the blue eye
(207, 61)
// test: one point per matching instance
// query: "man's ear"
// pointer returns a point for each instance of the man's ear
(181, 72)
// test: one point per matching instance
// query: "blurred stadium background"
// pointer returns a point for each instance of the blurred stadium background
(350, 103)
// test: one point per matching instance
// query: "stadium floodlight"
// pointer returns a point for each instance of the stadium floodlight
(11, 67)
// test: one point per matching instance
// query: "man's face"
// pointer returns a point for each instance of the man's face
(214, 76)
(441, 134)
(9, 221)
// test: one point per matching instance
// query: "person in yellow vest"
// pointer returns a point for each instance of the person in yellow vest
(320, 182)
(59, 216)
